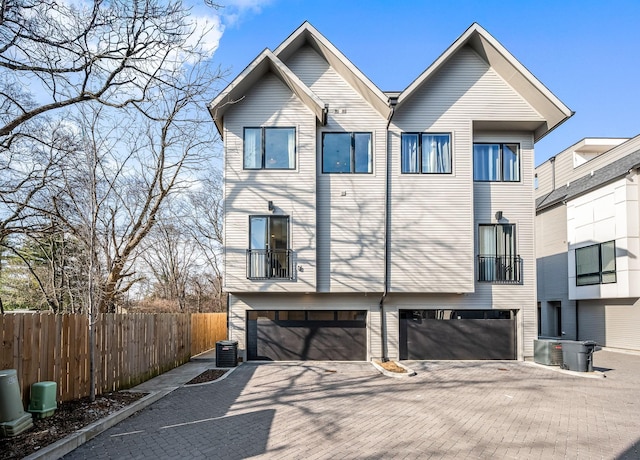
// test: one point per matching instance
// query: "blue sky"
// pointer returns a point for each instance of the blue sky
(586, 52)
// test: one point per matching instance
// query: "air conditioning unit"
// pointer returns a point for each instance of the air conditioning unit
(547, 352)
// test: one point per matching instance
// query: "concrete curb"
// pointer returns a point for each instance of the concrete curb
(222, 377)
(74, 440)
(397, 375)
(587, 375)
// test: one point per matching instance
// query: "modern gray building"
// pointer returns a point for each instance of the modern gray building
(587, 243)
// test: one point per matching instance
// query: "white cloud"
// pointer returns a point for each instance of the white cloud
(233, 11)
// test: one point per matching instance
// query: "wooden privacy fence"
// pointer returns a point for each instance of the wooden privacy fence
(130, 348)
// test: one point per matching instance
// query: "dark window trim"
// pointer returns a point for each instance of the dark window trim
(503, 269)
(262, 148)
(599, 273)
(501, 144)
(290, 272)
(253, 315)
(352, 159)
(419, 134)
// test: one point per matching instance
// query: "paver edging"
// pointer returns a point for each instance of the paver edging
(397, 375)
(222, 377)
(64, 446)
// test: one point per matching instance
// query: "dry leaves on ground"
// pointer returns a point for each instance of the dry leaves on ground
(69, 417)
(391, 366)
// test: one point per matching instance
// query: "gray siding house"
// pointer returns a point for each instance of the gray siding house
(365, 224)
(588, 242)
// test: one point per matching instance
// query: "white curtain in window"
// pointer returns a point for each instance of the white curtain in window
(486, 162)
(511, 162)
(292, 148)
(505, 241)
(436, 154)
(487, 250)
(252, 148)
(258, 240)
(409, 153)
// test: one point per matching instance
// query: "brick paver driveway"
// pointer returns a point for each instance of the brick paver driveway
(347, 410)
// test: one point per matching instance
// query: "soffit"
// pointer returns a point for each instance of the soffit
(306, 34)
(551, 109)
(266, 62)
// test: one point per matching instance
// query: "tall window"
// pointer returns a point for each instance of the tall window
(497, 258)
(426, 153)
(268, 255)
(496, 162)
(596, 264)
(347, 153)
(269, 148)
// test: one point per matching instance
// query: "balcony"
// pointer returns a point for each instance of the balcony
(270, 264)
(500, 269)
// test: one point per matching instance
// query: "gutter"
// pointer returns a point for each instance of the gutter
(387, 182)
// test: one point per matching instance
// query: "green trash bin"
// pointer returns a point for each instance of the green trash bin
(11, 407)
(578, 355)
(13, 419)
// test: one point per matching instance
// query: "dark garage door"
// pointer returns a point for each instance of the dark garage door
(451, 334)
(282, 335)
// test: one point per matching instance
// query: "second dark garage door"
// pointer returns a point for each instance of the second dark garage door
(461, 334)
(284, 335)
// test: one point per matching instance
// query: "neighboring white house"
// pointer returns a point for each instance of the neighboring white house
(363, 224)
(588, 245)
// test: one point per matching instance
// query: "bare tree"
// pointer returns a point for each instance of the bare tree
(205, 225)
(118, 53)
(140, 69)
(171, 257)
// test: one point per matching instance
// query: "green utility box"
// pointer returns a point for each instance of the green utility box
(13, 419)
(43, 399)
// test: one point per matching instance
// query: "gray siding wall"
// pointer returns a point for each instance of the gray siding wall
(517, 204)
(610, 322)
(270, 103)
(432, 216)
(544, 173)
(350, 207)
(551, 253)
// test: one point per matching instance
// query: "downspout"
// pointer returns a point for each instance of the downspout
(387, 225)
(553, 172)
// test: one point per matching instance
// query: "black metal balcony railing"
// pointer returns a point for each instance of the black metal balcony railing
(500, 269)
(265, 264)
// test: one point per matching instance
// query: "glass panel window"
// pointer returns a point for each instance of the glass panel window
(269, 255)
(426, 153)
(496, 162)
(252, 148)
(510, 163)
(347, 153)
(596, 264)
(269, 148)
(320, 315)
(497, 258)
(362, 153)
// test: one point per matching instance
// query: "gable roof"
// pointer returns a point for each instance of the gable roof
(264, 63)
(552, 110)
(306, 34)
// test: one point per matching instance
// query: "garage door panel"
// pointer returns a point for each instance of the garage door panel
(457, 339)
(307, 340)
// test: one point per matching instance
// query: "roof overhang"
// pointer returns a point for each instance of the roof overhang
(265, 62)
(306, 34)
(553, 112)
